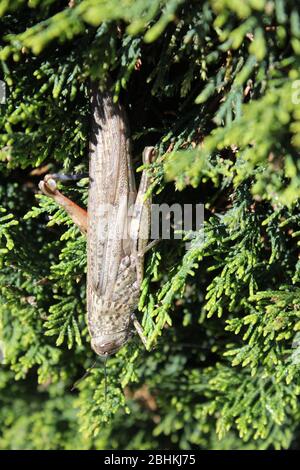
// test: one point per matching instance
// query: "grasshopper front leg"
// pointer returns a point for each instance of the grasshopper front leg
(77, 214)
(139, 329)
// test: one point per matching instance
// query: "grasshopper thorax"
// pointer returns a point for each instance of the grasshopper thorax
(109, 323)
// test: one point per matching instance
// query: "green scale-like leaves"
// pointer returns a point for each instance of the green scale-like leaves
(214, 85)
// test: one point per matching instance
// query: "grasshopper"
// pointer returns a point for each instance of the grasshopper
(117, 226)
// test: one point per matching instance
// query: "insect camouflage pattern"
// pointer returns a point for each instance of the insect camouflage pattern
(117, 226)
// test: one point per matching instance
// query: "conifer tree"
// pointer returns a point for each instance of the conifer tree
(214, 85)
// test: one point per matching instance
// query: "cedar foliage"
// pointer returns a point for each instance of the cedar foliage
(213, 85)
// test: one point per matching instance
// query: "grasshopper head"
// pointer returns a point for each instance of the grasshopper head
(108, 344)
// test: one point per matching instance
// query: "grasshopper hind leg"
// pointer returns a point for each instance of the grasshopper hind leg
(77, 214)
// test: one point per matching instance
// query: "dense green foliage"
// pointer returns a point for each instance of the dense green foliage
(213, 85)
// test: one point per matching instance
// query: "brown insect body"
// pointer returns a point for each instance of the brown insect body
(117, 226)
(113, 291)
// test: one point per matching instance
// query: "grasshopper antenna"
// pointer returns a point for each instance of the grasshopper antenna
(105, 377)
(86, 374)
